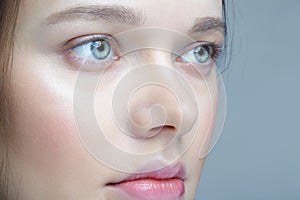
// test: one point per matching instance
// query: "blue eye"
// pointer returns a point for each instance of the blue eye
(98, 50)
(200, 54)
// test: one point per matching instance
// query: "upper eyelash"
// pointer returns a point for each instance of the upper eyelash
(70, 44)
(216, 49)
(66, 49)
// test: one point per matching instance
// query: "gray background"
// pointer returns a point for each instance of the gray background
(258, 154)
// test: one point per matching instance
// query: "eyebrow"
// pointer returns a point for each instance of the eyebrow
(124, 15)
(207, 24)
(108, 13)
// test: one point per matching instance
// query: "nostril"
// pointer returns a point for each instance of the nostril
(164, 128)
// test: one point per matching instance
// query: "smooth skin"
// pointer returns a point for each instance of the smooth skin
(47, 157)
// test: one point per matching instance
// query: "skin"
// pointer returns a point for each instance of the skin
(48, 159)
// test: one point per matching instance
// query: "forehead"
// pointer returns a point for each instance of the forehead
(174, 14)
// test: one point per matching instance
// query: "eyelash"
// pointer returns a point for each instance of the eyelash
(214, 53)
(69, 46)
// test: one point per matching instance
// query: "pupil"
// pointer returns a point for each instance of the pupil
(99, 46)
(201, 52)
(100, 49)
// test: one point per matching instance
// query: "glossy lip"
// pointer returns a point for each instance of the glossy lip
(166, 183)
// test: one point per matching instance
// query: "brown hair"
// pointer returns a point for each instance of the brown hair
(8, 18)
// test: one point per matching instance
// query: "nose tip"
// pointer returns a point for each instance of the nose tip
(155, 114)
(162, 106)
(176, 120)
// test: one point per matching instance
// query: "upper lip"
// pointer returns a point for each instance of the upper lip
(170, 172)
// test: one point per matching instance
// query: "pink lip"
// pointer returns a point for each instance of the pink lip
(166, 183)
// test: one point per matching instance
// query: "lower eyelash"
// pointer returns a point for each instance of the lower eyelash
(89, 65)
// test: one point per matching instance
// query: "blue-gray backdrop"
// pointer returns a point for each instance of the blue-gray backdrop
(258, 154)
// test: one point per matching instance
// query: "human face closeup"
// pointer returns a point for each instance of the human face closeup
(112, 99)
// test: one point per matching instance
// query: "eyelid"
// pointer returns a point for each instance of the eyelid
(72, 43)
(191, 46)
(215, 49)
(76, 61)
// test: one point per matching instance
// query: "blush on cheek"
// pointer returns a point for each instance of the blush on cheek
(55, 133)
(46, 140)
(43, 128)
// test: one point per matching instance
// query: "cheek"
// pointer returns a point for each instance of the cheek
(44, 138)
(50, 132)
(207, 98)
(43, 130)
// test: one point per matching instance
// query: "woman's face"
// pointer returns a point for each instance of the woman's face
(112, 99)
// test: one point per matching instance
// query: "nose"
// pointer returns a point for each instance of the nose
(159, 100)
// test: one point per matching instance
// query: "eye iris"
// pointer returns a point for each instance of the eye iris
(100, 49)
(201, 53)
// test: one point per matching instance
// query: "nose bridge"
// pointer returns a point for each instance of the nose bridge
(157, 56)
(153, 56)
(162, 103)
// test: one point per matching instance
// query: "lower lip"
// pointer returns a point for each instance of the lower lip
(150, 189)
